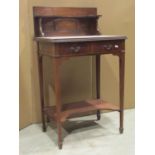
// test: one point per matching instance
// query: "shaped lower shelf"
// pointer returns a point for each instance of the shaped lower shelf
(79, 107)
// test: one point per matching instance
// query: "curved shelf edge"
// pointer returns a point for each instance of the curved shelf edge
(78, 108)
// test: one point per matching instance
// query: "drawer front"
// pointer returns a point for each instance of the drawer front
(72, 49)
(108, 46)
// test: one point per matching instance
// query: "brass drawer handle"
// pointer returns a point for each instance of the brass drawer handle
(108, 47)
(75, 49)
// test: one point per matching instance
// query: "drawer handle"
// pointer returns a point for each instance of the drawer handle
(108, 47)
(116, 46)
(75, 49)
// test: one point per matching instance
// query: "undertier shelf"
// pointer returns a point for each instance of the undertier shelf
(78, 108)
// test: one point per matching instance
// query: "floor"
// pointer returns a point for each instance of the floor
(83, 135)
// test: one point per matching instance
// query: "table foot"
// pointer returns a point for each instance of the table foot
(98, 115)
(44, 128)
(121, 130)
(60, 146)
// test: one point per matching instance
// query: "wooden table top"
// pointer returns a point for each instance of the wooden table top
(85, 38)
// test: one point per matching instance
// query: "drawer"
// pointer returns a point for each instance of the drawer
(72, 49)
(108, 46)
(82, 48)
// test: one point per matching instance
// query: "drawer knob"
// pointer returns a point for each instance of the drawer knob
(75, 49)
(116, 46)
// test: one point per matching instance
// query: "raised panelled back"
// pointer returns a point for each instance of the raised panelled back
(65, 21)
